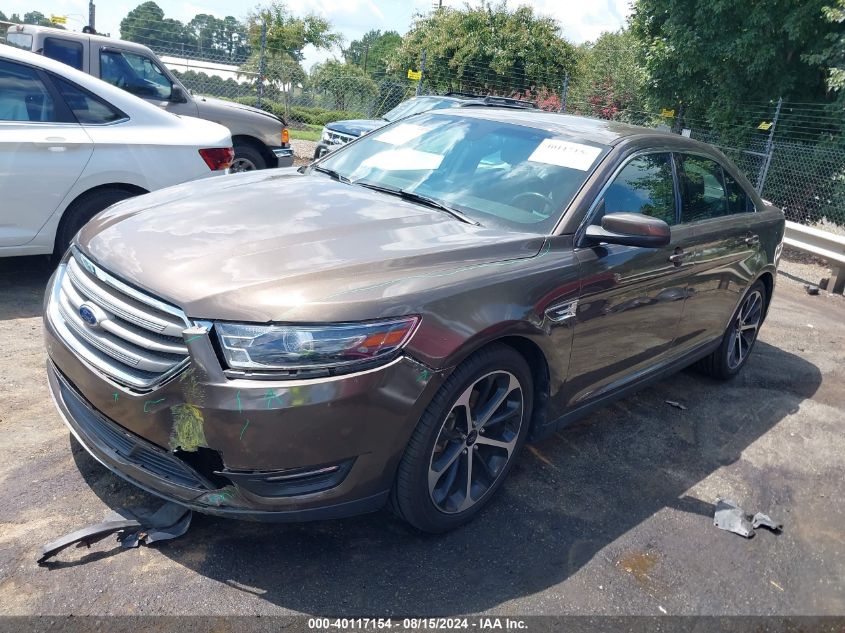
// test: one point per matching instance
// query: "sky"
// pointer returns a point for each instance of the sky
(580, 20)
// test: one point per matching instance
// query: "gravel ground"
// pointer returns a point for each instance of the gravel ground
(303, 151)
(611, 516)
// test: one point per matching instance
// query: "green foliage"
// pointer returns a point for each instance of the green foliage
(610, 78)
(715, 55)
(287, 34)
(373, 51)
(832, 53)
(488, 48)
(307, 115)
(344, 83)
(147, 25)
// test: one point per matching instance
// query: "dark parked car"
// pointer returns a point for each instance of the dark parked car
(429, 297)
(338, 133)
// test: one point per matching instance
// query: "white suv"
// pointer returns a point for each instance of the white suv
(72, 145)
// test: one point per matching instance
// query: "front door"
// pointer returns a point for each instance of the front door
(43, 151)
(143, 77)
(631, 298)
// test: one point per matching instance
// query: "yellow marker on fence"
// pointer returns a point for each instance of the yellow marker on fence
(416, 75)
(667, 113)
(58, 19)
(764, 125)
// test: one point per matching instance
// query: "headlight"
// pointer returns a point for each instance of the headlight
(288, 347)
(324, 135)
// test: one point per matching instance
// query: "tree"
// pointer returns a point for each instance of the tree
(714, 56)
(224, 40)
(488, 49)
(3, 17)
(611, 78)
(147, 25)
(348, 85)
(832, 54)
(373, 51)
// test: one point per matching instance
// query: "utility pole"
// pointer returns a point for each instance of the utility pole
(770, 145)
(262, 61)
(366, 54)
(422, 74)
(91, 11)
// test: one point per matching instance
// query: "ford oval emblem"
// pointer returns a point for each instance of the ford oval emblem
(88, 315)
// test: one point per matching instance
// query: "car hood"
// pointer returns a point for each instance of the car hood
(276, 245)
(356, 127)
(209, 106)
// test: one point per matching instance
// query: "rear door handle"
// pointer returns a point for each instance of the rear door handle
(752, 240)
(677, 257)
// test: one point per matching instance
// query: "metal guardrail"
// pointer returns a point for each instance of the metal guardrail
(822, 244)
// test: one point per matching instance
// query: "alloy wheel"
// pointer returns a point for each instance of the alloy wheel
(241, 164)
(746, 326)
(475, 442)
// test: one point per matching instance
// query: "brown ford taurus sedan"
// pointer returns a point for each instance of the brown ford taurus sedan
(392, 324)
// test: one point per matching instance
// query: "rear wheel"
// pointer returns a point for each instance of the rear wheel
(247, 158)
(739, 339)
(466, 441)
(82, 210)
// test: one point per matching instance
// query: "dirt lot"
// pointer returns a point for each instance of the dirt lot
(612, 516)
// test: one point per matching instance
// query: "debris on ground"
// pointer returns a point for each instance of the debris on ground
(677, 405)
(731, 518)
(811, 289)
(132, 527)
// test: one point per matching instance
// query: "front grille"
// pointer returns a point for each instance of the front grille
(136, 340)
(338, 138)
(95, 427)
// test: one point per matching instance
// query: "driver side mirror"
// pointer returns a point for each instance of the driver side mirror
(630, 229)
(177, 95)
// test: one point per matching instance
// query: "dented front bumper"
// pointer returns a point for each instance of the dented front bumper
(266, 449)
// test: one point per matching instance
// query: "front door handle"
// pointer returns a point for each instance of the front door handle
(751, 240)
(677, 257)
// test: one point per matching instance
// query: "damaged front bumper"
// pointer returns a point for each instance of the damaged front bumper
(282, 450)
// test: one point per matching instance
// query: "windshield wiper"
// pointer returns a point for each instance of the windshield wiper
(331, 173)
(416, 197)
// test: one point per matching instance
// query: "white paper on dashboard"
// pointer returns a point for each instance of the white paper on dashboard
(553, 151)
(401, 134)
(402, 159)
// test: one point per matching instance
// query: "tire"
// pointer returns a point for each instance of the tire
(723, 363)
(81, 211)
(444, 435)
(247, 158)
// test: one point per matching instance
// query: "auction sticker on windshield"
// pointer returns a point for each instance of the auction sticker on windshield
(554, 151)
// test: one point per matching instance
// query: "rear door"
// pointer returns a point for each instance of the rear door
(43, 151)
(721, 216)
(631, 298)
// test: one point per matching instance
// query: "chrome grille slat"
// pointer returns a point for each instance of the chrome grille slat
(94, 290)
(134, 339)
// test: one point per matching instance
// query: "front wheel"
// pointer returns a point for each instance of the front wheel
(466, 441)
(247, 158)
(739, 338)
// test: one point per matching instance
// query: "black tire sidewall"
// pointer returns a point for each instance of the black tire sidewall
(251, 154)
(411, 489)
(81, 212)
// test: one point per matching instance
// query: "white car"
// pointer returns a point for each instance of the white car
(72, 145)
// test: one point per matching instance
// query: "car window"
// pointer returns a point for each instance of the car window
(644, 185)
(134, 73)
(19, 40)
(738, 200)
(516, 177)
(23, 96)
(87, 108)
(64, 51)
(416, 106)
(703, 191)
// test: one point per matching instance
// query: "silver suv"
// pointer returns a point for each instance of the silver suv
(260, 138)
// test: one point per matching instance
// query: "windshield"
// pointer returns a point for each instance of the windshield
(498, 174)
(416, 106)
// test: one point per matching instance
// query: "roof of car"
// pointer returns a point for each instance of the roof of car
(599, 131)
